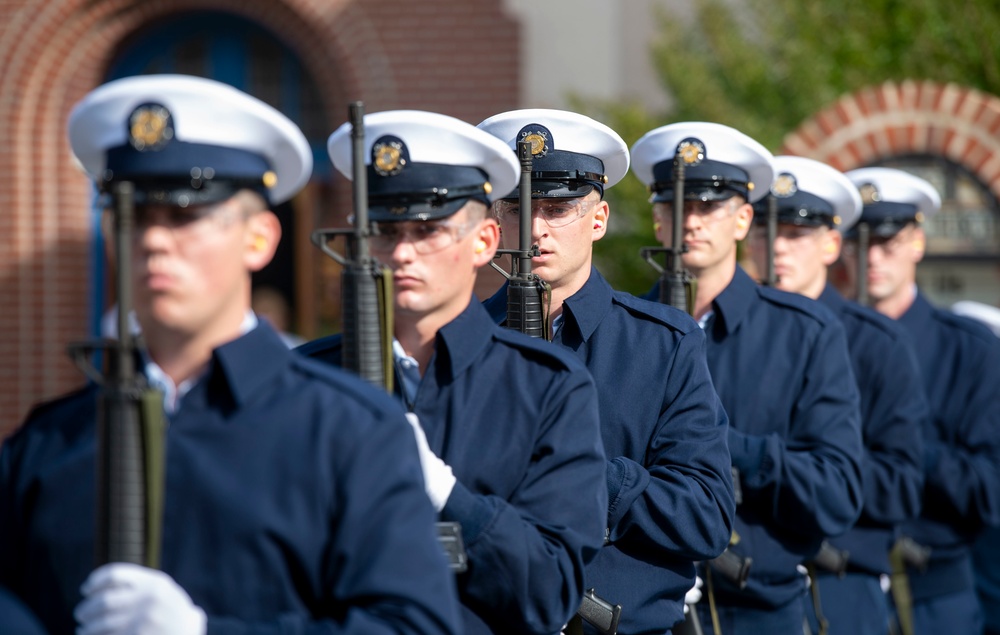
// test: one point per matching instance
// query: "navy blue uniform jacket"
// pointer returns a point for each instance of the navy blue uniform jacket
(893, 415)
(664, 430)
(516, 419)
(294, 502)
(960, 364)
(779, 362)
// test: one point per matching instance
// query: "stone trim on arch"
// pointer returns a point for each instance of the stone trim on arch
(910, 117)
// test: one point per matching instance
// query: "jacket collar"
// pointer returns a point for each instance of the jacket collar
(733, 304)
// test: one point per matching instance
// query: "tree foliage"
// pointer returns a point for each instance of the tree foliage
(765, 66)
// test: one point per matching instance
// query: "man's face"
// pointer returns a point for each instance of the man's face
(801, 255)
(434, 263)
(892, 262)
(190, 266)
(565, 230)
(711, 230)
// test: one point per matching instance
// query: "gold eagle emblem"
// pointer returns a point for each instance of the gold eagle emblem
(387, 158)
(537, 141)
(869, 194)
(691, 151)
(150, 127)
(784, 186)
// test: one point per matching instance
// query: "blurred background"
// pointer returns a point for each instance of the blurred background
(911, 84)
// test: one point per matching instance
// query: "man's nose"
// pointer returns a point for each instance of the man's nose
(539, 227)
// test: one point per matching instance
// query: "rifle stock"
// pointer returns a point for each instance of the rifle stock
(600, 613)
(831, 559)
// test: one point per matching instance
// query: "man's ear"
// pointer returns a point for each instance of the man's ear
(601, 214)
(832, 242)
(486, 243)
(919, 243)
(263, 232)
(744, 218)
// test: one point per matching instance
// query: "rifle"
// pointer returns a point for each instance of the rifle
(525, 290)
(864, 239)
(731, 565)
(600, 613)
(130, 424)
(772, 234)
(831, 559)
(366, 298)
(676, 285)
(366, 286)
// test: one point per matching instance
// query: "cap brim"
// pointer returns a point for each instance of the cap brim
(556, 189)
(697, 194)
(414, 212)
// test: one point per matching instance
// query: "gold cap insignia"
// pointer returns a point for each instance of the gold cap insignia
(919, 217)
(487, 187)
(837, 220)
(150, 127)
(869, 194)
(387, 158)
(270, 179)
(691, 151)
(784, 186)
(537, 141)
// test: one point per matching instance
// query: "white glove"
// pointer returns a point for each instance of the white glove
(438, 478)
(693, 596)
(128, 599)
(805, 574)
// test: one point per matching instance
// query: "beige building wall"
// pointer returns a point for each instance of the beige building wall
(607, 57)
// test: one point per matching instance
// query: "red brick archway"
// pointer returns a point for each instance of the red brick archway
(911, 117)
(392, 54)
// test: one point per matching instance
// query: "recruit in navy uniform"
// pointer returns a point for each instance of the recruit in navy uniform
(668, 472)
(986, 550)
(815, 204)
(292, 495)
(507, 425)
(959, 361)
(778, 361)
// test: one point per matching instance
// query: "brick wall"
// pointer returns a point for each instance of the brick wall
(458, 57)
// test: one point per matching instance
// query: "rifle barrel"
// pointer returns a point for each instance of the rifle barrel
(772, 235)
(121, 517)
(359, 176)
(864, 239)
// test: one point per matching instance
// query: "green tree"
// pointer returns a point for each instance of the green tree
(765, 66)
